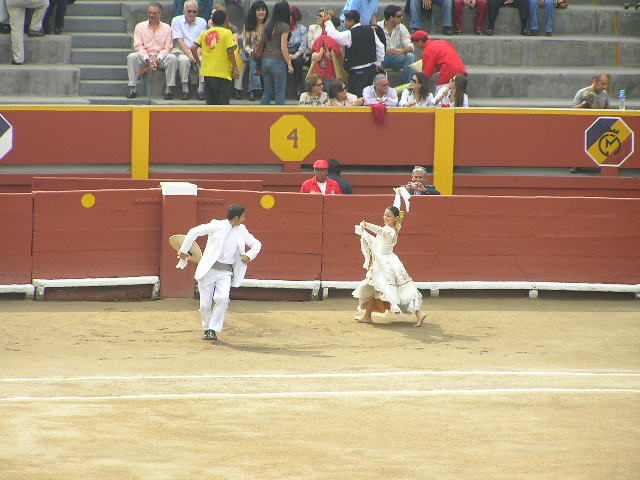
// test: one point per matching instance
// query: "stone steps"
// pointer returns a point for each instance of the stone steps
(103, 72)
(100, 56)
(40, 79)
(48, 49)
(100, 40)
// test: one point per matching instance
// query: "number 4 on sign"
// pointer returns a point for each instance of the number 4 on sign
(293, 136)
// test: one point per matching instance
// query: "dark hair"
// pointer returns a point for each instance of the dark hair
(393, 209)
(334, 166)
(218, 17)
(250, 23)
(295, 13)
(235, 211)
(336, 21)
(336, 86)
(281, 14)
(155, 4)
(460, 81)
(352, 15)
(391, 11)
(423, 81)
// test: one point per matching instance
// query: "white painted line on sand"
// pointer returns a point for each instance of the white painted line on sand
(320, 375)
(363, 393)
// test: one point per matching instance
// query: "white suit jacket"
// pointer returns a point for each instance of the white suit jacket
(217, 231)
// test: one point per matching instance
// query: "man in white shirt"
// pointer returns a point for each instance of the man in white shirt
(364, 52)
(380, 92)
(399, 52)
(223, 265)
(185, 30)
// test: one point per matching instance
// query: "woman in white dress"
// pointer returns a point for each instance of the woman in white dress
(387, 286)
(454, 94)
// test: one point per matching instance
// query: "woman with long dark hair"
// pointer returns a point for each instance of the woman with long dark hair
(297, 47)
(417, 94)
(276, 62)
(454, 94)
(251, 35)
(387, 286)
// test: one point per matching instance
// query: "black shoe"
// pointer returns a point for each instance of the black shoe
(447, 31)
(132, 93)
(168, 96)
(253, 96)
(525, 32)
(458, 32)
(58, 30)
(5, 28)
(212, 334)
(489, 31)
(237, 94)
(206, 335)
(35, 33)
(13, 62)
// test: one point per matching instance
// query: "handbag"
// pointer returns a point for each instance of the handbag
(258, 52)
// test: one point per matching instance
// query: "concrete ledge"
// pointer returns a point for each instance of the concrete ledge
(45, 80)
(48, 49)
(313, 285)
(41, 284)
(27, 289)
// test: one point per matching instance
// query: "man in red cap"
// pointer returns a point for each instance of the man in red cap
(320, 183)
(438, 55)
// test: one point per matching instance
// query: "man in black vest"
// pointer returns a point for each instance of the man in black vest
(364, 52)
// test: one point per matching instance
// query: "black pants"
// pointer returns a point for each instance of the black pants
(361, 78)
(521, 5)
(60, 7)
(217, 91)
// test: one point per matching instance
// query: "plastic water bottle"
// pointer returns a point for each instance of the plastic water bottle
(432, 24)
(621, 99)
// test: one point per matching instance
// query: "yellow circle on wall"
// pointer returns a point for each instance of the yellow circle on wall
(88, 200)
(267, 201)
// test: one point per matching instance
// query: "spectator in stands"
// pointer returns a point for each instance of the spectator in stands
(399, 49)
(481, 12)
(366, 9)
(334, 174)
(418, 94)
(152, 40)
(276, 62)
(5, 28)
(364, 52)
(297, 46)
(314, 96)
(185, 30)
(16, 9)
(320, 183)
(380, 92)
(218, 60)
(326, 57)
(339, 97)
(418, 184)
(416, 9)
(595, 95)
(317, 29)
(549, 8)
(60, 7)
(251, 34)
(438, 55)
(454, 94)
(523, 9)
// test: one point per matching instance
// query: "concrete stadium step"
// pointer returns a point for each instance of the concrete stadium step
(565, 51)
(42, 79)
(100, 40)
(100, 56)
(529, 103)
(537, 82)
(94, 24)
(103, 72)
(42, 100)
(47, 49)
(107, 88)
(107, 8)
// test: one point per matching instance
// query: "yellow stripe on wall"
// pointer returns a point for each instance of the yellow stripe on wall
(140, 142)
(444, 133)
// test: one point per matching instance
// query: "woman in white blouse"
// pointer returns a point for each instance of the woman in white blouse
(417, 94)
(314, 96)
(339, 97)
(454, 94)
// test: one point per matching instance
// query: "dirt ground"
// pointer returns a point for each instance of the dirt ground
(487, 388)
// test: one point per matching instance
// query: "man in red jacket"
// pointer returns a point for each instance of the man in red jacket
(438, 55)
(320, 183)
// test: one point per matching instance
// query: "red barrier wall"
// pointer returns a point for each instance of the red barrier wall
(16, 224)
(349, 135)
(529, 139)
(116, 237)
(593, 240)
(290, 231)
(78, 183)
(69, 137)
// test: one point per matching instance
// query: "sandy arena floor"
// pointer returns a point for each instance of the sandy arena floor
(501, 388)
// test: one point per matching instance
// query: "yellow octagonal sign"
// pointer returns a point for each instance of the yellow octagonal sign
(292, 138)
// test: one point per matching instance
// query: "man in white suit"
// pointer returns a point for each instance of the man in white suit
(223, 264)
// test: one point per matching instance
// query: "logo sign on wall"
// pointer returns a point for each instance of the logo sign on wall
(6, 136)
(608, 141)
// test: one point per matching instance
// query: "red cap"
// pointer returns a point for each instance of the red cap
(419, 35)
(320, 164)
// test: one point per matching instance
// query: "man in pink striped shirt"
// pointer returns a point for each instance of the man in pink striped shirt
(152, 40)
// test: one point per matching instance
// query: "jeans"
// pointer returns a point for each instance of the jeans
(416, 5)
(254, 80)
(178, 7)
(274, 73)
(548, 15)
(401, 63)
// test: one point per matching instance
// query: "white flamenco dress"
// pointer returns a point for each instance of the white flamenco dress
(386, 281)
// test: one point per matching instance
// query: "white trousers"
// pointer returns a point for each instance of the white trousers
(16, 20)
(187, 69)
(214, 287)
(135, 61)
